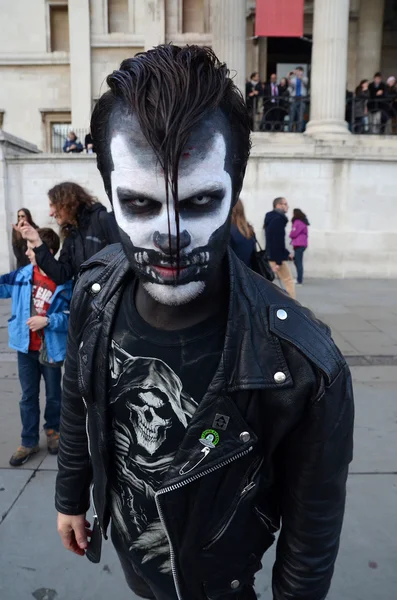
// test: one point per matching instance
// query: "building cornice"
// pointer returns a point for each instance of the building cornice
(39, 58)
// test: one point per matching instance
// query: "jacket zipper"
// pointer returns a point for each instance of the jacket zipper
(89, 452)
(247, 488)
(225, 526)
(177, 486)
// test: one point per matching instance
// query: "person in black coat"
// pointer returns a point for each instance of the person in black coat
(253, 91)
(377, 105)
(274, 226)
(273, 100)
(86, 228)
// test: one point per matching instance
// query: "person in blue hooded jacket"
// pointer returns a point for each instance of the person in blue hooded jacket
(37, 331)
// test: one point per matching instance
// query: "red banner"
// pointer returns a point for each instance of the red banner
(279, 18)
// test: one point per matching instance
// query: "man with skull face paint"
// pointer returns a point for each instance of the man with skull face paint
(202, 404)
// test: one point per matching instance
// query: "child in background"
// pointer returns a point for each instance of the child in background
(37, 330)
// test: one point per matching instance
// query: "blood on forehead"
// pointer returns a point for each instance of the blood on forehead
(200, 142)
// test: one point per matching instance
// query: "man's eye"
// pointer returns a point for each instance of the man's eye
(201, 200)
(140, 202)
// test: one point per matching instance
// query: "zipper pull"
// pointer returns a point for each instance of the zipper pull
(247, 488)
(205, 451)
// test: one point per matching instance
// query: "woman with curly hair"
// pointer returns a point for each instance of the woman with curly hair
(86, 228)
(19, 245)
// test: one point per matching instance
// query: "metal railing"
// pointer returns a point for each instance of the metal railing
(59, 135)
(376, 116)
(372, 116)
(281, 114)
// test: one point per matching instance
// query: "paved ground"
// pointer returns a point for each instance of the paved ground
(363, 316)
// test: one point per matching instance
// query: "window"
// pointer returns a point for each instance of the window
(118, 16)
(59, 28)
(193, 17)
(1, 118)
(56, 126)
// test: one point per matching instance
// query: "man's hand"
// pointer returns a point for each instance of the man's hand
(28, 233)
(291, 256)
(73, 147)
(36, 323)
(275, 268)
(74, 531)
(379, 93)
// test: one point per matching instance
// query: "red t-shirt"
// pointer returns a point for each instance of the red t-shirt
(42, 291)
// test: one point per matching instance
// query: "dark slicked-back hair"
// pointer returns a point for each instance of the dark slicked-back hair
(171, 90)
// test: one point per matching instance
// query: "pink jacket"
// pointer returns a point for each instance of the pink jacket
(299, 234)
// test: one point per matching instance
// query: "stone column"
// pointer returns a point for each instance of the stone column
(370, 34)
(80, 63)
(155, 23)
(329, 68)
(262, 50)
(228, 36)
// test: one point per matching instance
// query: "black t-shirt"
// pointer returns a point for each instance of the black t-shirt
(157, 379)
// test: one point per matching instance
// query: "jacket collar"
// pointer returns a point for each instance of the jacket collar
(252, 355)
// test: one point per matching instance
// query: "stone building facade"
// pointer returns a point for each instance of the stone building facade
(54, 59)
(56, 54)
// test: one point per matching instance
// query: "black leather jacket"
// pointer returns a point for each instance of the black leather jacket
(97, 229)
(283, 456)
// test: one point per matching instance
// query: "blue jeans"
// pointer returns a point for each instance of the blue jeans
(30, 372)
(298, 260)
(296, 115)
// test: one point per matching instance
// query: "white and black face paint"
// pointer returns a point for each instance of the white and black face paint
(140, 206)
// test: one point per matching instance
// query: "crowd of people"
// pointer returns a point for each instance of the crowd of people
(244, 241)
(281, 104)
(373, 106)
(195, 412)
(40, 289)
(73, 145)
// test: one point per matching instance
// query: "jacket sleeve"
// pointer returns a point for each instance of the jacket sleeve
(74, 465)
(6, 283)
(296, 230)
(61, 270)
(315, 463)
(58, 321)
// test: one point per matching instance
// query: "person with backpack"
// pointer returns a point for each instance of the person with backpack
(86, 228)
(299, 240)
(37, 331)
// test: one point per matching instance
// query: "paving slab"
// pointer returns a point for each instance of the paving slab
(371, 342)
(11, 485)
(366, 564)
(349, 322)
(35, 559)
(375, 431)
(343, 345)
(379, 374)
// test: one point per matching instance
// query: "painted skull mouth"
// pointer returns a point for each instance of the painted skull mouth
(161, 269)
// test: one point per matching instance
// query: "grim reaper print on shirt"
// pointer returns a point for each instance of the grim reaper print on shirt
(153, 411)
